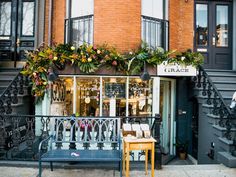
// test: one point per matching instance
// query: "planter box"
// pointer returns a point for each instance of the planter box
(165, 69)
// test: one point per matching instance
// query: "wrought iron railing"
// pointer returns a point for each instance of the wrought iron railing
(214, 97)
(20, 134)
(155, 32)
(10, 94)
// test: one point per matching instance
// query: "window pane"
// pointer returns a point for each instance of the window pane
(114, 97)
(152, 8)
(5, 18)
(28, 19)
(82, 30)
(62, 97)
(81, 8)
(152, 32)
(222, 26)
(201, 24)
(140, 97)
(88, 96)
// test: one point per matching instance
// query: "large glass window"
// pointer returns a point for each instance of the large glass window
(107, 96)
(140, 97)
(114, 96)
(87, 96)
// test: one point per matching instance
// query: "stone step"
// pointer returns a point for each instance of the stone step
(218, 71)
(225, 84)
(227, 159)
(220, 131)
(226, 145)
(19, 108)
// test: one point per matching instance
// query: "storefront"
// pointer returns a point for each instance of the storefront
(94, 95)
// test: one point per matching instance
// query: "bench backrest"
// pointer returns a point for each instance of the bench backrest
(86, 130)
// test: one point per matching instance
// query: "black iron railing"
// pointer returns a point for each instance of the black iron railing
(214, 97)
(20, 134)
(10, 94)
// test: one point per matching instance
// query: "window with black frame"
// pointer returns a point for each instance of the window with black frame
(79, 22)
(155, 25)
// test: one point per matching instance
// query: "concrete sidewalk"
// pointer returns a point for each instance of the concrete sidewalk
(167, 171)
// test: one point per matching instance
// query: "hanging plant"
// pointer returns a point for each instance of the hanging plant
(88, 61)
(110, 58)
(89, 58)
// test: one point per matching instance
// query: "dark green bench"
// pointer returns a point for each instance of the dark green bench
(75, 139)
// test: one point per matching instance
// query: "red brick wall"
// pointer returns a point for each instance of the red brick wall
(46, 21)
(58, 17)
(117, 23)
(181, 18)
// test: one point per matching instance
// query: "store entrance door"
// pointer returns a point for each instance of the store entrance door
(167, 111)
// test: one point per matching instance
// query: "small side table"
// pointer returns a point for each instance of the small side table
(145, 144)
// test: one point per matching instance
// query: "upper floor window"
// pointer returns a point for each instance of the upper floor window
(154, 23)
(79, 22)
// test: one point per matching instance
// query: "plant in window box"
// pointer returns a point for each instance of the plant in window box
(62, 52)
(110, 58)
(88, 61)
(152, 56)
(189, 58)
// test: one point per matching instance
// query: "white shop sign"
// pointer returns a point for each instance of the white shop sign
(176, 70)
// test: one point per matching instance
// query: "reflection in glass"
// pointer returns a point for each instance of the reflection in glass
(222, 26)
(201, 32)
(28, 19)
(165, 111)
(140, 97)
(114, 97)
(69, 96)
(88, 96)
(82, 30)
(151, 32)
(5, 18)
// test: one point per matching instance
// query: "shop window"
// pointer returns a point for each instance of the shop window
(114, 96)
(106, 96)
(68, 103)
(87, 96)
(140, 97)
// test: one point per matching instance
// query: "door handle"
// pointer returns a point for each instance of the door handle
(18, 42)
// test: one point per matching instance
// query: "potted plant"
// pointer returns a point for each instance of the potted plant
(182, 148)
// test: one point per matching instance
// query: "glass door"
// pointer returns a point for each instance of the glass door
(17, 30)
(167, 111)
(213, 33)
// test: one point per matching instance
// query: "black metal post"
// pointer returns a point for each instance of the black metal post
(72, 122)
(156, 135)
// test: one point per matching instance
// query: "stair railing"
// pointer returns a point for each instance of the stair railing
(9, 95)
(214, 97)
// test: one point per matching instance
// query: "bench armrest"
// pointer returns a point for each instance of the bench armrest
(41, 143)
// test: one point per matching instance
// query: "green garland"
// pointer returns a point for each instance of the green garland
(89, 59)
